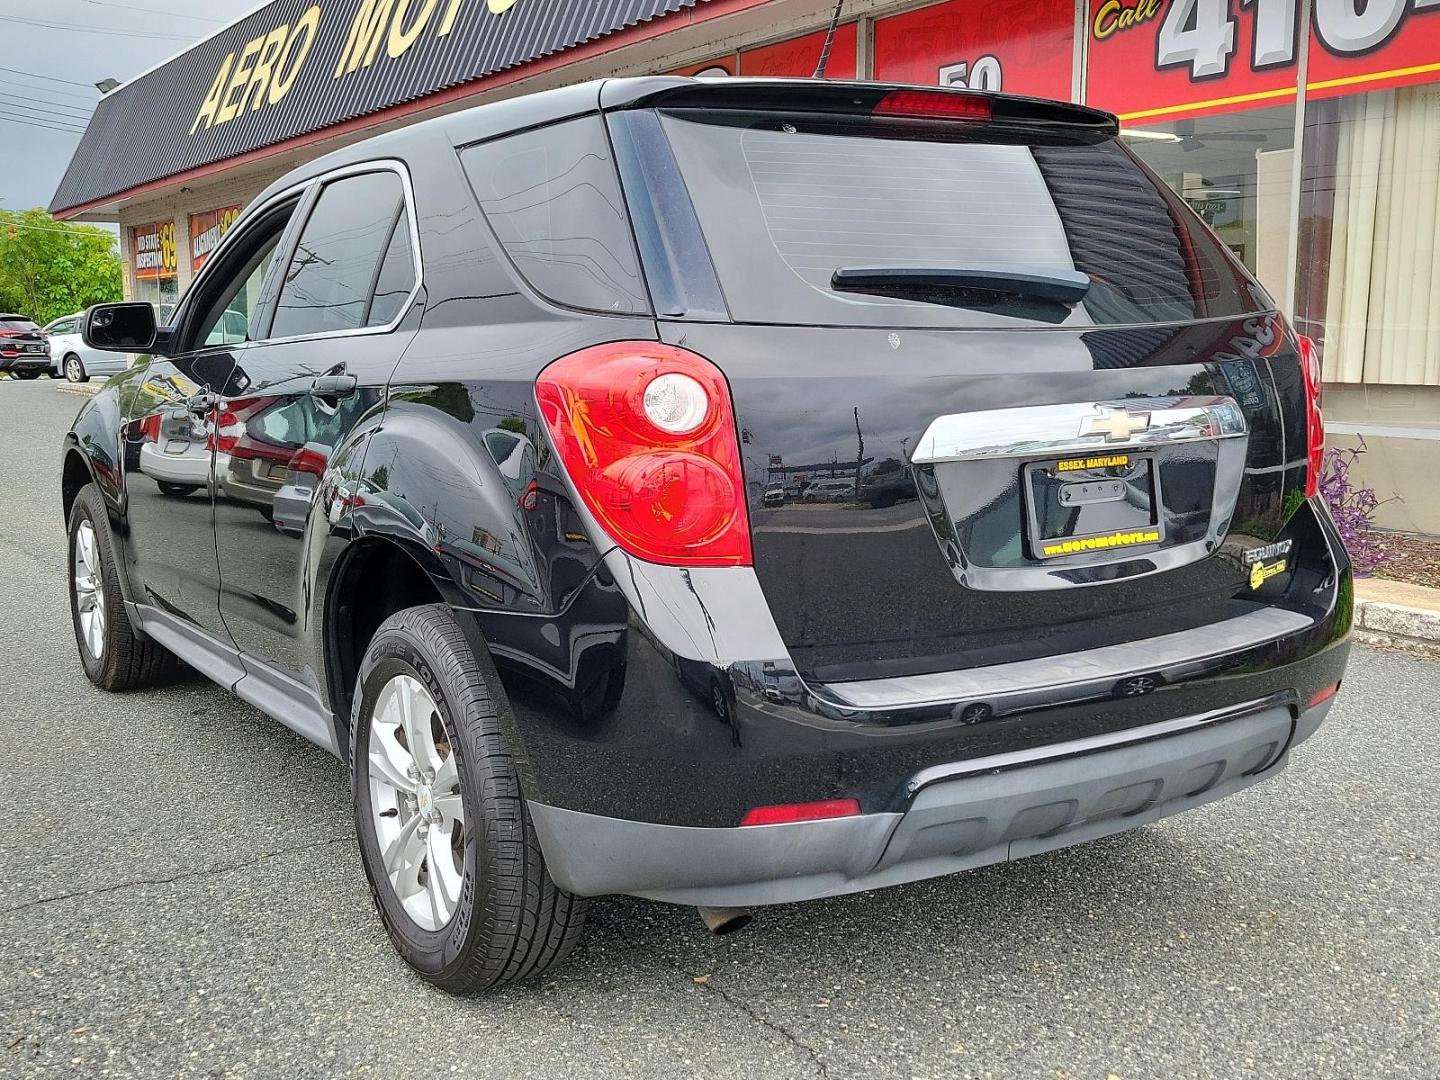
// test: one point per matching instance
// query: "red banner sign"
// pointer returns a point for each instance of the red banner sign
(152, 250)
(206, 232)
(799, 56)
(1154, 60)
(1018, 48)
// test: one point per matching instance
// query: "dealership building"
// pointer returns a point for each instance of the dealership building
(1306, 132)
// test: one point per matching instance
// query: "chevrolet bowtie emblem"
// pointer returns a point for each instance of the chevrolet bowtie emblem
(1117, 425)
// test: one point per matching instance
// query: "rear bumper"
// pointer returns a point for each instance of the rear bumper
(956, 818)
(27, 362)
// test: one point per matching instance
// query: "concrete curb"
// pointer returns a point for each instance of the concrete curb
(89, 389)
(1397, 616)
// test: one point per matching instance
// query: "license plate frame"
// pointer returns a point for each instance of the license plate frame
(1073, 507)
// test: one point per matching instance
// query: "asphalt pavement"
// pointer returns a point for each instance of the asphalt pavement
(182, 896)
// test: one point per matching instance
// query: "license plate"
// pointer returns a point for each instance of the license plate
(1098, 503)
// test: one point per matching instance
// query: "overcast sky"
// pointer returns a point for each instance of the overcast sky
(54, 54)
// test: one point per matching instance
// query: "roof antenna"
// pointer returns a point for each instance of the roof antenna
(829, 41)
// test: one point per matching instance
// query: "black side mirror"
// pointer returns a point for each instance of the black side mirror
(126, 327)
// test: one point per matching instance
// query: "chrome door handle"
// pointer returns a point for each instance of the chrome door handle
(333, 385)
(201, 403)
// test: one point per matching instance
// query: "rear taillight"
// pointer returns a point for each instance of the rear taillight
(934, 105)
(226, 432)
(647, 434)
(1314, 421)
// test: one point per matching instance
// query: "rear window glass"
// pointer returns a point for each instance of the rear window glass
(553, 199)
(17, 324)
(786, 202)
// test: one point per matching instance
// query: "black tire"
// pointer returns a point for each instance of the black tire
(176, 491)
(719, 701)
(127, 661)
(511, 921)
(83, 376)
(27, 375)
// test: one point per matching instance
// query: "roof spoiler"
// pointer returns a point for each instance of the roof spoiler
(820, 96)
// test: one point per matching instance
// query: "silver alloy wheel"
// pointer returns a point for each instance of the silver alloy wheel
(74, 371)
(89, 590)
(415, 802)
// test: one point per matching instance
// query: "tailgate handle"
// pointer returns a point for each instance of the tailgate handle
(1082, 427)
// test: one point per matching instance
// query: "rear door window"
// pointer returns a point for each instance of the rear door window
(331, 277)
(785, 202)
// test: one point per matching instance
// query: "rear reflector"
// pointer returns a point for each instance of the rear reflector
(803, 811)
(934, 105)
(1323, 696)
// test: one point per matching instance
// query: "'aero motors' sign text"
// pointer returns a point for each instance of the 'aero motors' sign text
(265, 68)
(291, 68)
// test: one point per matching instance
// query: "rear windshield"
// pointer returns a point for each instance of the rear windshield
(18, 324)
(785, 202)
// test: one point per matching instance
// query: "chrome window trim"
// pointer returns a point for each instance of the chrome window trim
(298, 192)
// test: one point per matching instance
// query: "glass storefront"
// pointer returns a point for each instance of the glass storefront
(1235, 171)
(157, 265)
(1369, 266)
(206, 232)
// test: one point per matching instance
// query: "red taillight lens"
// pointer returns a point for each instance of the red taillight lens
(934, 105)
(225, 435)
(1323, 696)
(804, 811)
(1314, 420)
(647, 434)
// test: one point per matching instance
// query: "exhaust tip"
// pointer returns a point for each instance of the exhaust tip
(725, 920)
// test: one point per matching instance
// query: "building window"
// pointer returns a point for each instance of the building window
(1235, 170)
(1369, 267)
(156, 262)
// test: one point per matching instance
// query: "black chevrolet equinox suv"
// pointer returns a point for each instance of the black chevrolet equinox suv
(454, 461)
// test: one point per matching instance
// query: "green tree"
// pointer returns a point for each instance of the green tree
(49, 268)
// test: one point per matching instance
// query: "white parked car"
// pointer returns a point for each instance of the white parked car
(829, 491)
(74, 359)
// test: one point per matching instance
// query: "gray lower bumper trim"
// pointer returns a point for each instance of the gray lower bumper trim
(950, 825)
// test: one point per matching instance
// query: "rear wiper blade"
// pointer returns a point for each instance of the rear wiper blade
(1057, 285)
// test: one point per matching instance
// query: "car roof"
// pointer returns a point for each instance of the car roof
(495, 118)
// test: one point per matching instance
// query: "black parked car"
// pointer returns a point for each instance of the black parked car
(24, 348)
(504, 380)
